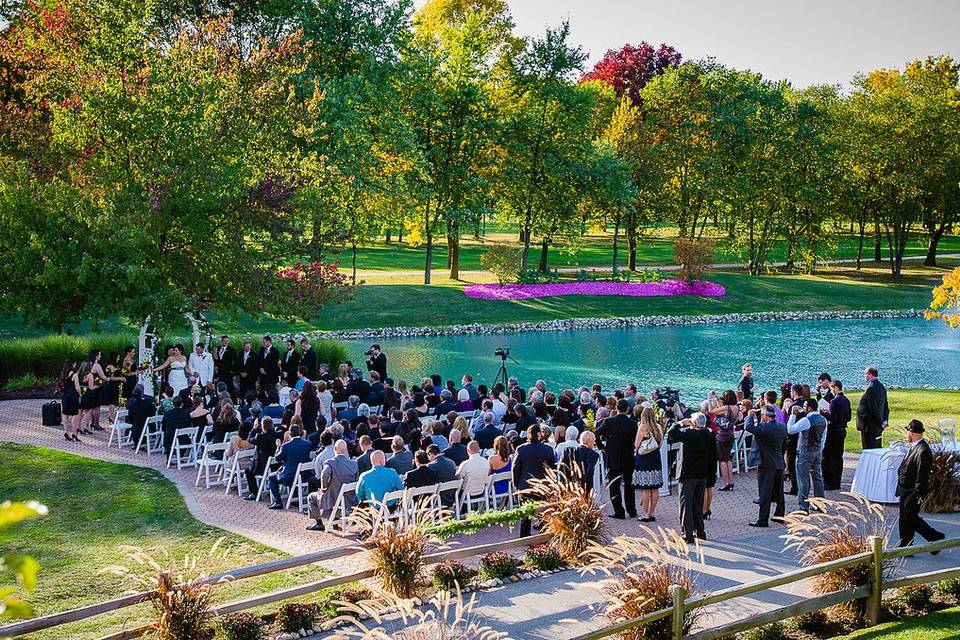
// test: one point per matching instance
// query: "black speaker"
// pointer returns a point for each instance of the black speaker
(51, 414)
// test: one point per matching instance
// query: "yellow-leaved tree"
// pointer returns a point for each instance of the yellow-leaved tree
(946, 300)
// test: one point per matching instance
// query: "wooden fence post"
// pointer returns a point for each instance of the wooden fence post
(876, 593)
(678, 594)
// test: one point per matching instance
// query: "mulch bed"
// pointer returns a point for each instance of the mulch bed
(29, 393)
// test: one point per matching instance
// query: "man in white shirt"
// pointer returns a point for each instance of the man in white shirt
(201, 363)
(812, 428)
(570, 442)
(498, 408)
(474, 470)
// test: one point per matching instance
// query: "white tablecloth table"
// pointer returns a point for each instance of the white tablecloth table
(876, 474)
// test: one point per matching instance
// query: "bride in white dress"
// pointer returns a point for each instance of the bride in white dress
(179, 371)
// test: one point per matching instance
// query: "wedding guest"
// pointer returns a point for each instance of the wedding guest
(873, 412)
(648, 473)
(531, 462)
(224, 363)
(336, 472)
(913, 481)
(70, 399)
(770, 435)
(696, 463)
(139, 408)
(838, 417)
(247, 367)
(421, 475)
(291, 454)
(269, 366)
(402, 460)
(308, 359)
(617, 434)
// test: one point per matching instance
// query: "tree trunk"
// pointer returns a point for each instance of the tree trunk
(632, 245)
(428, 265)
(931, 259)
(315, 238)
(400, 235)
(525, 238)
(863, 227)
(353, 247)
(877, 252)
(616, 241)
(544, 248)
(389, 231)
(453, 253)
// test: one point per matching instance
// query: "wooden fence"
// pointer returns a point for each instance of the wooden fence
(871, 592)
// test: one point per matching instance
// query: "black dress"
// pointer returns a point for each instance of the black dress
(110, 391)
(70, 399)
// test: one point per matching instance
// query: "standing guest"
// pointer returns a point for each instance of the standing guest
(201, 363)
(824, 389)
(111, 388)
(811, 427)
(309, 408)
(770, 435)
(581, 462)
(326, 400)
(873, 412)
(70, 399)
(291, 455)
(128, 369)
(291, 362)
(373, 485)
(913, 480)
(336, 472)
(247, 367)
(570, 436)
(89, 397)
(377, 361)
(402, 460)
(648, 469)
(746, 382)
(795, 398)
(725, 418)
(98, 378)
(474, 471)
(269, 366)
(308, 359)
(338, 386)
(224, 364)
(838, 418)
(421, 475)
(696, 463)
(617, 435)
(531, 462)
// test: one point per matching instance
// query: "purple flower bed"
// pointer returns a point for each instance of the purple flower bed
(633, 289)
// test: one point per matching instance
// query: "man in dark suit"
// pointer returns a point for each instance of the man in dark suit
(617, 435)
(873, 412)
(457, 451)
(580, 461)
(488, 433)
(698, 460)
(291, 363)
(291, 454)
(224, 362)
(445, 470)
(421, 475)
(377, 390)
(139, 408)
(308, 359)
(247, 367)
(377, 361)
(531, 462)
(770, 436)
(176, 418)
(446, 404)
(269, 366)
(913, 479)
(366, 449)
(402, 460)
(838, 417)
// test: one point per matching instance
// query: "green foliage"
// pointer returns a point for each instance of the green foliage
(694, 256)
(242, 625)
(451, 575)
(294, 616)
(772, 631)
(950, 588)
(23, 567)
(543, 557)
(26, 381)
(475, 522)
(916, 597)
(813, 622)
(503, 261)
(498, 564)
(532, 276)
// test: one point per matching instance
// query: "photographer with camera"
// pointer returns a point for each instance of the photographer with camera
(698, 460)
(376, 361)
(805, 420)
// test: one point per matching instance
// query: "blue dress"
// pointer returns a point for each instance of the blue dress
(501, 486)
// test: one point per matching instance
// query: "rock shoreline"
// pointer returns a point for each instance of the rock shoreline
(579, 324)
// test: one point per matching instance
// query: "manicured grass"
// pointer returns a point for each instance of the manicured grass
(926, 405)
(96, 506)
(942, 625)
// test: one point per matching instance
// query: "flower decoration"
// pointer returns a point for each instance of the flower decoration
(602, 288)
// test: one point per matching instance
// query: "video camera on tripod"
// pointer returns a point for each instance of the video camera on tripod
(503, 352)
(666, 397)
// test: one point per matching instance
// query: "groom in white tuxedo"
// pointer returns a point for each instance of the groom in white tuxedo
(201, 363)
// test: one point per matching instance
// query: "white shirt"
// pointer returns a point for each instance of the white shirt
(202, 365)
(796, 426)
(474, 471)
(499, 410)
(563, 446)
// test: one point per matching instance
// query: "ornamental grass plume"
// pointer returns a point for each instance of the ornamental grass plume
(943, 486)
(643, 568)
(568, 513)
(837, 529)
(180, 592)
(397, 545)
(446, 617)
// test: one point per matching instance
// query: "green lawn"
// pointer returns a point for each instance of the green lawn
(906, 404)
(942, 625)
(95, 507)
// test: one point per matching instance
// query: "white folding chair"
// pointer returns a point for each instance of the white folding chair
(419, 498)
(230, 435)
(120, 430)
(477, 502)
(339, 406)
(208, 463)
(383, 509)
(736, 449)
(469, 415)
(152, 435)
(300, 487)
(235, 473)
(338, 515)
(948, 432)
(454, 487)
(262, 479)
(375, 410)
(184, 448)
(496, 499)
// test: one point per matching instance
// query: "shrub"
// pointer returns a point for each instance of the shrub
(44, 357)
(27, 381)
(451, 574)
(294, 616)
(694, 257)
(943, 495)
(568, 512)
(949, 589)
(543, 557)
(834, 530)
(503, 261)
(811, 622)
(773, 631)
(497, 565)
(241, 626)
(916, 597)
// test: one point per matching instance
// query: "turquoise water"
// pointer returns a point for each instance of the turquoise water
(909, 352)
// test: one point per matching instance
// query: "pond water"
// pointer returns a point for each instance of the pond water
(909, 352)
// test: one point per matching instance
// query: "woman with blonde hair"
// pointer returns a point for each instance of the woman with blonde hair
(648, 469)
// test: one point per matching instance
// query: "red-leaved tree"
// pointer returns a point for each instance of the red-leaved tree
(304, 288)
(629, 69)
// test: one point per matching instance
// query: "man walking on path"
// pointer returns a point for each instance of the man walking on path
(913, 479)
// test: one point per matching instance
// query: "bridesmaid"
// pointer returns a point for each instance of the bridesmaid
(100, 378)
(128, 370)
(70, 400)
(89, 400)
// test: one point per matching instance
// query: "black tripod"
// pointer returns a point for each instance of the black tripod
(502, 375)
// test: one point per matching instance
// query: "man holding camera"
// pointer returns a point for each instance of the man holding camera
(698, 460)
(769, 434)
(805, 420)
(377, 361)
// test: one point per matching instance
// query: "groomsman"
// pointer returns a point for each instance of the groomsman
(247, 366)
(224, 362)
(201, 363)
(269, 365)
(308, 358)
(291, 363)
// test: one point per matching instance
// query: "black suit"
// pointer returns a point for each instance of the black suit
(833, 446)
(251, 368)
(457, 453)
(173, 420)
(617, 435)
(585, 460)
(872, 412)
(308, 359)
(270, 363)
(698, 461)
(531, 461)
(913, 478)
(291, 364)
(419, 477)
(224, 366)
(138, 410)
(378, 363)
(770, 437)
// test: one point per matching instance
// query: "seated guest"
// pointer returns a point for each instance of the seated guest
(291, 403)
(176, 418)
(409, 429)
(166, 400)
(325, 448)
(366, 450)
(376, 483)
(273, 408)
(350, 412)
(474, 471)
(485, 407)
(358, 386)
(238, 443)
(245, 403)
(421, 475)
(377, 390)
(336, 472)
(402, 460)
(391, 397)
(446, 403)
(264, 436)
(200, 416)
(292, 453)
(139, 408)
(363, 416)
(486, 435)
(464, 403)
(569, 442)
(457, 451)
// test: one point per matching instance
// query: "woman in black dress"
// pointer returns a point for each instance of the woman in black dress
(89, 396)
(128, 371)
(110, 391)
(70, 399)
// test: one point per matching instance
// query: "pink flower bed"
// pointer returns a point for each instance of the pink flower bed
(633, 289)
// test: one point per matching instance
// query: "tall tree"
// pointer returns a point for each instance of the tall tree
(629, 69)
